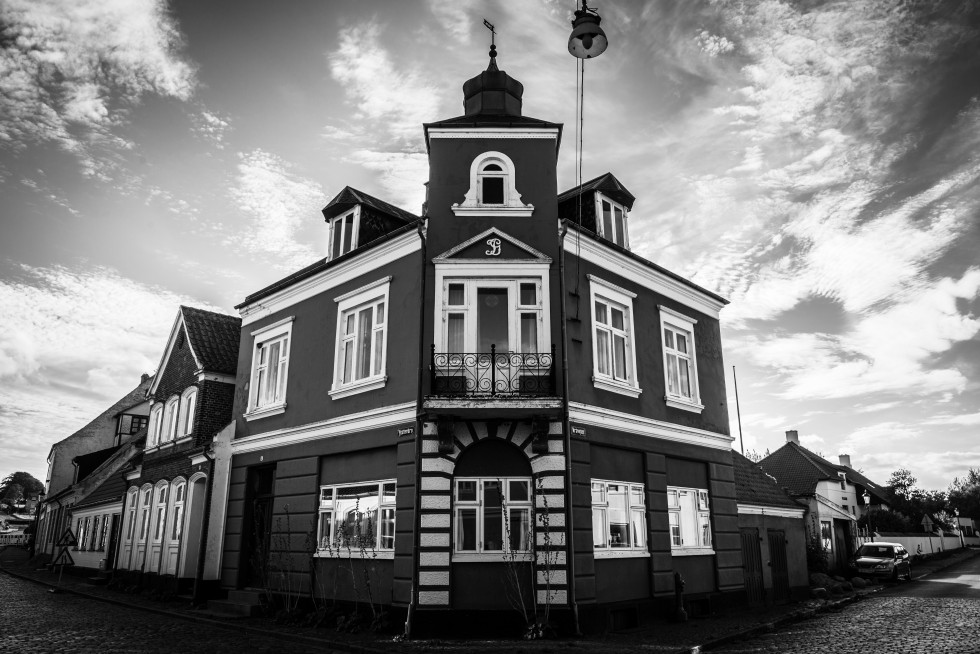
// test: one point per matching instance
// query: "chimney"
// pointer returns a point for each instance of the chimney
(845, 459)
(792, 436)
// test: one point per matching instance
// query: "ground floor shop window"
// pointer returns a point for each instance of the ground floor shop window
(493, 515)
(618, 517)
(690, 520)
(355, 518)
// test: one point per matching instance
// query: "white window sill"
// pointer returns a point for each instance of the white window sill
(692, 551)
(616, 386)
(683, 403)
(494, 210)
(183, 439)
(621, 554)
(490, 557)
(163, 446)
(355, 553)
(360, 386)
(151, 449)
(270, 410)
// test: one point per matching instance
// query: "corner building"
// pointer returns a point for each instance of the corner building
(495, 397)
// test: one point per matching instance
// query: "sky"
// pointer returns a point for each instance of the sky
(816, 163)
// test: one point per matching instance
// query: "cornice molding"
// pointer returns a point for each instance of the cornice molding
(596, 416)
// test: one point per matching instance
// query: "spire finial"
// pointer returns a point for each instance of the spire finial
(493, 46)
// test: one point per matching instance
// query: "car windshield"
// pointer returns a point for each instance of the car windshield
(879, 551)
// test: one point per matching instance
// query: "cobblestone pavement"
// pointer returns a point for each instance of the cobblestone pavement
(938, 614)
(38, 622)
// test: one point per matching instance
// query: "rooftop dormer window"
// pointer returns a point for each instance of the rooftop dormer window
(491, 183)
(493, 189)
(612, 220)
(343, 232)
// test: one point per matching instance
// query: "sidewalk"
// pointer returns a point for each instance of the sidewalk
(661, 636)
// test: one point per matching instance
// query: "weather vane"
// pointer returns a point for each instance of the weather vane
(493, 34)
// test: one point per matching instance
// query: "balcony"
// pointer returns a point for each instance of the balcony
(493, 375)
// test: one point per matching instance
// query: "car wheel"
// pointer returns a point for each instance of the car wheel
(908, 573)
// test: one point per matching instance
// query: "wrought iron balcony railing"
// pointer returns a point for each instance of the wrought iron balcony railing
(494, 374)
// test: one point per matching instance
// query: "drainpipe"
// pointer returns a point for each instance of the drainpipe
(206, 523)
(413, 602)
(566, 426)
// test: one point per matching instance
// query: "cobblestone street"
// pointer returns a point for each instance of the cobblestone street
(938, 614)
(40, 622)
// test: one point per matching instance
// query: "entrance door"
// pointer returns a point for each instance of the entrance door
(752, 565)
(777, 560)
(257, 527)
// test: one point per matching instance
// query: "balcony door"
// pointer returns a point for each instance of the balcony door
(492, 319)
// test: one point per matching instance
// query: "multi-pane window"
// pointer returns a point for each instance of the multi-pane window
(82, 531)
(131, 503)
(96, 520)
(492, 183)
(170, 419)
(362, 341)
(104, 532)
(689, 516)
(145, 514)
(156, 424)
(618, 516)
(343, 233)
(504, 313)
(270, 367)
(177, 518)
(612, 221)
(614, 358)
(362, 324)
(188, 402)
(493, 515)
(680, 363)
(355, 517)
(161, 507)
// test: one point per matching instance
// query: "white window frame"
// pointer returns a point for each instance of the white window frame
(280, 331)
(473, 205)
(176, 527)
(145, 514)
(188, 405)
(696, 503)
(158, 522)
(471, 286)
(351, 304)
(678, 322)
(622, 240)
(132, 500)
(338, 230)
(171, 411)
(600, 507)
(327, 508)
(616, 297)
(507, 505)
(156, 424)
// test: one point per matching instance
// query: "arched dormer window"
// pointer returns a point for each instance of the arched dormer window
(169, 419)
(493, 189)
(156, 424)
(188, 403)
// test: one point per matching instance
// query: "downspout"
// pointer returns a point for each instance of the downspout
(413, 602)
(202, 551)
(566, 426)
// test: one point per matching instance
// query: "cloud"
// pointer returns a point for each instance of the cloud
(968, 420)
(402, 175)
(455, 17)
(395, 101)
(212, 128)
(72, 341)
(71, 72)
(279, 204)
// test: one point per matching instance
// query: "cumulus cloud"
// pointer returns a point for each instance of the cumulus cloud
(71, 342)
(278, 203)
(70, 72)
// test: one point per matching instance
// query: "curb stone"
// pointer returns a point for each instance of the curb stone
(804, 614)
(297, 638)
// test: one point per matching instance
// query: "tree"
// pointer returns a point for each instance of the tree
(914, 503)
(902, 483)
(20, 485)
(964, 494)
(754, 456)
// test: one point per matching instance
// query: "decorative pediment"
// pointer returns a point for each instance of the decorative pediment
(493, 245)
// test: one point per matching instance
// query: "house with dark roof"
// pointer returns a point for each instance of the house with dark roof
(71, 459)
(836, 494)
(164, 509)
(773, 536)
(500, 377)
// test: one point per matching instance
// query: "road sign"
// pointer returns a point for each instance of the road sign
(67, 539)
(64, 558)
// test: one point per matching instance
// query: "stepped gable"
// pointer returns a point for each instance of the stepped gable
(214, 339)
(754, 486)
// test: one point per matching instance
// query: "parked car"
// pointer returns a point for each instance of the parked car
(888, 560)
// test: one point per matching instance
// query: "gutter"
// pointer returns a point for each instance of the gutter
(567, 427)
(417, 518)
